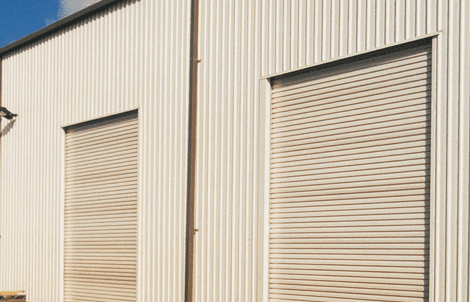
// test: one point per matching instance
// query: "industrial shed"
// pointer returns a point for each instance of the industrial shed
(215, 150)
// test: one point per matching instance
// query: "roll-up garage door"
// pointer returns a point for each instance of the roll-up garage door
(350, 178)
(101, 210)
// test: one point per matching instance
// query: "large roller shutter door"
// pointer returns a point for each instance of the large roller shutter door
(101, 210)
(350, 163)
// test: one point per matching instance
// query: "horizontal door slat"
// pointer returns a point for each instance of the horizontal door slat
(350, 181)
(373, 90)
(418, 92)
(102, 126)
(110, 133)
(415, 72)
(422, 74)
(344, 143)
(417, 220)
(336, 131)
(100, 230)
(352, 152)
(352, 69)
(346, 287)
(315, 186)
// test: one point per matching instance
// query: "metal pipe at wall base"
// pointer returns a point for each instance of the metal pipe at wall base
(192, 133)
(18, 295)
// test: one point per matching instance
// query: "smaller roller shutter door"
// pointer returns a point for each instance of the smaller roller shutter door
(350, 162)
(101, 210)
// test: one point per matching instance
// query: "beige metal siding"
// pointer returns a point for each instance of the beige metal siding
(132, 55)
(291, 31)
(101, 194)
(135, 55)
(299, 33)
(350, 181)
(379, 23)
(227, 244)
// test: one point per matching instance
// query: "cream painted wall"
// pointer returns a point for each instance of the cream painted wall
(136, 55)
(109, 63)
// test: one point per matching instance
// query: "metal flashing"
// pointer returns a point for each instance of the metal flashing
(59, 25)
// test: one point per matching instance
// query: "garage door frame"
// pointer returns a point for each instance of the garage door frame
(436, 240)
(64, 128)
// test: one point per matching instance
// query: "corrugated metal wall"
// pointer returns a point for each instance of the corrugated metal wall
(298, 33)
(133, 55)
(226, 263)
(240, 41)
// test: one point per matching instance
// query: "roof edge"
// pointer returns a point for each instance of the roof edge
(59, 25)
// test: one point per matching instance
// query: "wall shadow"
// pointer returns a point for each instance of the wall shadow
(7, 127)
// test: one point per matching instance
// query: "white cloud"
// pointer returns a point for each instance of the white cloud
(50, 21)
(68, 7)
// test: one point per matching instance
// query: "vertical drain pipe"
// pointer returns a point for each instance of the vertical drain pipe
(192, 133)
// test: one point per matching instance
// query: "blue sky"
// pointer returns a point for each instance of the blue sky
(19, 18)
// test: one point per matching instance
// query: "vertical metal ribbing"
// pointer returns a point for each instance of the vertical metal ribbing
(1, 183)
(420, 18)
(411, 19)
(452, 152)
(317, 32)
(370, 24)
(18, 69)
(326, 24)
(400, 20)
(100, 51)
(335, 28)
(192, 141)
(361, 25)
(338, 28)
(464, 133)
(343, 28)
(352, 27)
(441, 160)
(224, 249)
(389, 22)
